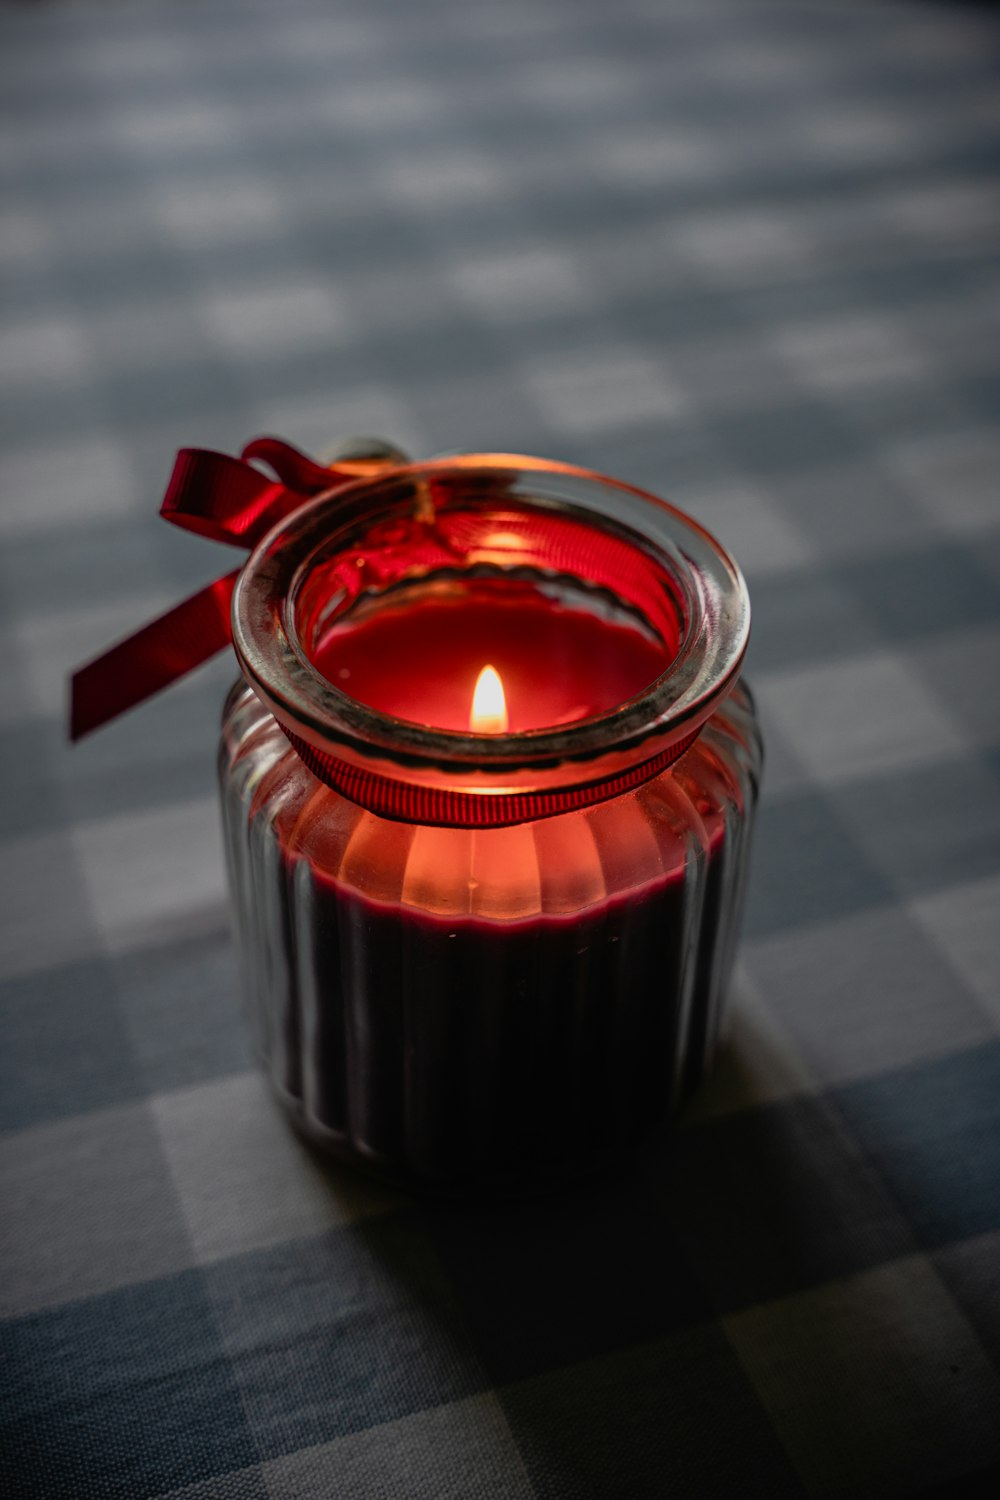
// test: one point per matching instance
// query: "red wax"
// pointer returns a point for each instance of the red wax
(459, 1006)
(475, 1045)
(453, 1047)
(560, 658)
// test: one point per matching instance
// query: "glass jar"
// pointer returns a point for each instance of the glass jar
(478, 960)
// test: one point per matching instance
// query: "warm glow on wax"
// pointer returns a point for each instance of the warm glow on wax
(489, 706)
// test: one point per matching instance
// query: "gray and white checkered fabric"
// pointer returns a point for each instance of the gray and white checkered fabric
(741, 254)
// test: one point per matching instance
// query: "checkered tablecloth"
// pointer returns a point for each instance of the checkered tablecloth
(742, 254)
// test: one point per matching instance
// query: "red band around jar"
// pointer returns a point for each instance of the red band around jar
(411, 802)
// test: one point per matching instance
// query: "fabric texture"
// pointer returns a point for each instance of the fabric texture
(744, 255)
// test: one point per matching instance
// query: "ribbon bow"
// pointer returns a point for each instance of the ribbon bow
(228, 500)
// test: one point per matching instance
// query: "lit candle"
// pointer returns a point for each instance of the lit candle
(558, 659)
(487, 941)
(488, 714)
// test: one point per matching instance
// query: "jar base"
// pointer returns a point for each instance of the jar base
(520, 1181)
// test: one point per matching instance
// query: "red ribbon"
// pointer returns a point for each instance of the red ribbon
(227, 500)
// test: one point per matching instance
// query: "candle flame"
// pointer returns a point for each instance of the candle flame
(489, 706)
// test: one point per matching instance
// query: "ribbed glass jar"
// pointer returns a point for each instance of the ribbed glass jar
(469, 999)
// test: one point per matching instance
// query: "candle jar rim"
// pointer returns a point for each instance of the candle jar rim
(271, 621)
